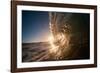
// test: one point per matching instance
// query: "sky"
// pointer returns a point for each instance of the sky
(35, 26)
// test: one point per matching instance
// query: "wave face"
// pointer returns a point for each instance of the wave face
(69, 39)
(60, 34)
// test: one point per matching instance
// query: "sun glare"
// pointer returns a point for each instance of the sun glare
(57, 43)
